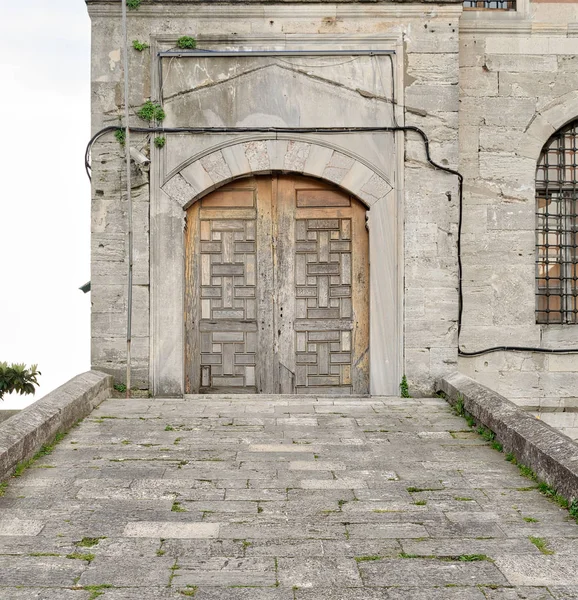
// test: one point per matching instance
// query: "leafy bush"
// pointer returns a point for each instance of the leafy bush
(140, 46)
(18, 378)
(133, 4)
(120, 135)
(186, 42)
(150, 111)
(160, 141)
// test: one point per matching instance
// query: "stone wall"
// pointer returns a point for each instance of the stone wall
(518, 84)
(424, 210)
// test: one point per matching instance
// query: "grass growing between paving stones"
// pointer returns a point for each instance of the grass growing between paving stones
(544, 488)
(458, 558)
(190, 592)
(177, 507)
(89, 542)
(44, 451)
(96, 590)
(79, 556)
(541, 544)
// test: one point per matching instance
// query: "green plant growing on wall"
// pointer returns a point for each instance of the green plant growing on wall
(404, 388)
(18, 378)
(133, 4)
(187, 42)
(140, 46)
(120, 135)
(160, 141)
(150, 111)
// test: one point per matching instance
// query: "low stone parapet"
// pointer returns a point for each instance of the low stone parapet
(550, 454)
(23, 434)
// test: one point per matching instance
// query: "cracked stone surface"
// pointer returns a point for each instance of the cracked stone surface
(280, 498)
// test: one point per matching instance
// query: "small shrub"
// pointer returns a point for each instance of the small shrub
(404, 388)
(186, 43)
(150, 111)
(120, 135)
(18, 378)
(139, 46)
(133, 4)
(160, 141)
(120, 387)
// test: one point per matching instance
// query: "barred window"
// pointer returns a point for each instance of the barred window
(557, 228)
(490, 4)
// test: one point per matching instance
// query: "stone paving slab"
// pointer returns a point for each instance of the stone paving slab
(280, 498)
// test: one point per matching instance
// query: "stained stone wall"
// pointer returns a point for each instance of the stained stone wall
(414, 294)
(518, 84)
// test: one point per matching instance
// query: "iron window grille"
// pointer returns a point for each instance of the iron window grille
(557, 228)
(490, 4)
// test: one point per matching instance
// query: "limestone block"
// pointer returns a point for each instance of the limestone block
(505, 140)
(414, 303)
(337, 167)
(357, 178)
(475, 220)
(514, 217)
(545, 86)
(442, 361)
(503, 112)
(469, 139)
(257, 155)
(108, 246)
(434, 36)
(472, 50)
(563, 384)
(441, 303)
(180, 189)
(563, 362)
(476, 337)
(417, 363)
(197, 180)
(568, 64)
(560, 336)
(277, 149)
(513, 45)
(216, 167)
(317, 160)
(478, 305)
(532, 62)
(106, 351)
(108, 298)
(432, 67)
(423, 273)
(478, 81)
(428, 333)
(109, 324)
(297, 153)
(432, 98)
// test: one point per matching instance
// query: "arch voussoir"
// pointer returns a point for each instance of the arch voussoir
(257, 157)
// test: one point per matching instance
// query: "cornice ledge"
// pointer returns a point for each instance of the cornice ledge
(347, 9)
(497, 27)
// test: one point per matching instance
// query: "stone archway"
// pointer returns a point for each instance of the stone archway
(204, 172)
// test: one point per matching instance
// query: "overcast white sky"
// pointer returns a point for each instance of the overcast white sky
(45, 195)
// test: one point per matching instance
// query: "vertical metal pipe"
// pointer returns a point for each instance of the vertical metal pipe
(128, 199)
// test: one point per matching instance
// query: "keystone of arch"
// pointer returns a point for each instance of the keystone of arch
(217, 167)
(547, 121)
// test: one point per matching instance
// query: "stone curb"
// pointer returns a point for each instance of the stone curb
(22, 435)
(548, 452)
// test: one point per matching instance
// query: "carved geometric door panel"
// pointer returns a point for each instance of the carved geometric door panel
(277, 290)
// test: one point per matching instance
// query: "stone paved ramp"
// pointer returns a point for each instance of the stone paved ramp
(277, 498)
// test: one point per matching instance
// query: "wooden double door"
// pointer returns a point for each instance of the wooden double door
(277, 290)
